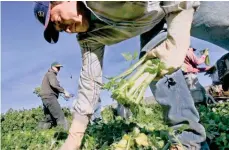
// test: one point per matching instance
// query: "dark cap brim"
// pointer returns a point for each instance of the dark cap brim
(59, 65)
(51, 35)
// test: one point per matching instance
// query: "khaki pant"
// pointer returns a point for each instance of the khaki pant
(76, 132)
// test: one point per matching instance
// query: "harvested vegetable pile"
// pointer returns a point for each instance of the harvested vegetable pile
(113, 132)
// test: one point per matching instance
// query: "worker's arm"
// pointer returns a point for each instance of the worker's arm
(173, 50)
(193, 59)
(204, 69)
(55, 83)
(197, 60)
(192, 70)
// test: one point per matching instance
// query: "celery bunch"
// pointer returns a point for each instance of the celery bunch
(129, 87)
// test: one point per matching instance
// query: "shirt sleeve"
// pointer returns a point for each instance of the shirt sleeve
(194, 59)
(55, 83)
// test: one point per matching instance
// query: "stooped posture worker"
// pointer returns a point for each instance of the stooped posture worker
(105, 23)
(190, 70)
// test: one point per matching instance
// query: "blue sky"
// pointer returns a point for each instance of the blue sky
(26, 57)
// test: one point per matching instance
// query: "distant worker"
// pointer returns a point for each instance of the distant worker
(219, 74)
(50, 90)
(215, 89)
(190, 70)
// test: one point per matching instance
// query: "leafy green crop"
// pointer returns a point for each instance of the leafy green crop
(146, 129)
(19, 130)
(141, 131)
(215, 119)
(206, 53)
(37, 91)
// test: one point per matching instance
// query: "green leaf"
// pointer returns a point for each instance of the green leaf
(127, 56)
(142, 140)
(135, 55)
(207, 60)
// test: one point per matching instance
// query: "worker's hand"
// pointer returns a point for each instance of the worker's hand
(173, 50)
(168, 60)
(67, 94)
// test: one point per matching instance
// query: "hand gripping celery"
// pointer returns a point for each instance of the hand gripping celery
(129, 87)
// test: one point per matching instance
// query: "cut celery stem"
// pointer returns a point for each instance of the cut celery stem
(138, 82)
(131, 69)
(145, 84)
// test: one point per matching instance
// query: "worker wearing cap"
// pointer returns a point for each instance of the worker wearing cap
(109, 22)
(50, 90)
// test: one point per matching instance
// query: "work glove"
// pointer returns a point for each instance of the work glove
(173, 50)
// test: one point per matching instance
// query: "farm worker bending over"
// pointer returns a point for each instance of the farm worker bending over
(109, 22)
(50, 90)
(190, 70)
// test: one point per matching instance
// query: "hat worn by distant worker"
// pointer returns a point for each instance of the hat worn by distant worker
(56, 64)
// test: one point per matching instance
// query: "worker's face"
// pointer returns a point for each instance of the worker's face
(68, 17)
(56, 69)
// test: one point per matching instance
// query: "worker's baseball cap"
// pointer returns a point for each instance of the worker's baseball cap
(56, 64)
(42, 14)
